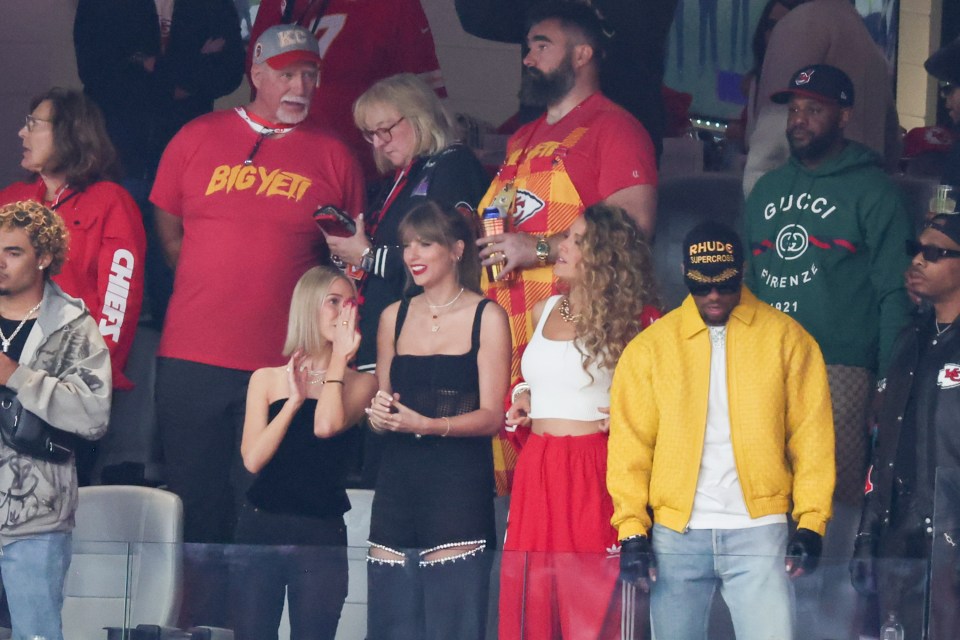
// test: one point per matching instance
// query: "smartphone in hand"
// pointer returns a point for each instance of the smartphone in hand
(334, 221)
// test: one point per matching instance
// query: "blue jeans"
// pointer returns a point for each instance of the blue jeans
(746, 564)
(34, 570)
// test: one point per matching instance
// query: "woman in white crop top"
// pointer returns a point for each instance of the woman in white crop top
(560, 502)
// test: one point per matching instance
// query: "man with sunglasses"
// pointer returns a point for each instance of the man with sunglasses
(825, 233)
(917, 436)
(719, 422)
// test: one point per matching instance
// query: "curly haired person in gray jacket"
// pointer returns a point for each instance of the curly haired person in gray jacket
(52, 356)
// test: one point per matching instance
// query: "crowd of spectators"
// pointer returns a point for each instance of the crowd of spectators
(723, 445)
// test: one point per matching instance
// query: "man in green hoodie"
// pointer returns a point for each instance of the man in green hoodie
(826, 233)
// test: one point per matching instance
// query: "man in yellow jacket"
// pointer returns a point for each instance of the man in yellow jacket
(720, 420)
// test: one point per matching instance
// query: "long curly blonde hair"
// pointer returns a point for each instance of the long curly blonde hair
(617, 283)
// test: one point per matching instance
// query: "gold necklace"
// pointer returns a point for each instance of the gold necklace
(564, 309)
(434, 314)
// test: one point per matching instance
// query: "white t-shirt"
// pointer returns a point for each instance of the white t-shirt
(719, 502)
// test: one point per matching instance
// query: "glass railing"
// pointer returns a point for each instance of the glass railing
(160, 588)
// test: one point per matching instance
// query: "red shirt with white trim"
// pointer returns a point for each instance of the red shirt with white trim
(105, 259)
(248, 233)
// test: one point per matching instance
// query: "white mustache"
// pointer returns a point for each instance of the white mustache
(296, 99)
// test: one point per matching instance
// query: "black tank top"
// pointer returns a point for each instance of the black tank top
(438, 385)
(305, 475)
(433, 490)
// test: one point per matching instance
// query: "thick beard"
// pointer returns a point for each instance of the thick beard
(818, 148)
(539, 89)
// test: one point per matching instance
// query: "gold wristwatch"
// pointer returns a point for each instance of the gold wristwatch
(543, 250)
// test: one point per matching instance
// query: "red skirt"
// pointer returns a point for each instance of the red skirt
(560, 561)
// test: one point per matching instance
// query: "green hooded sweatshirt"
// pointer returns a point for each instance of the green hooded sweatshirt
(826, 246)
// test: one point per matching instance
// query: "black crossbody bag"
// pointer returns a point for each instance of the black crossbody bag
(25, 433)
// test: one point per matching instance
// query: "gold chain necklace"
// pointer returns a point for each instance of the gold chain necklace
(564, 309)
(434, 314)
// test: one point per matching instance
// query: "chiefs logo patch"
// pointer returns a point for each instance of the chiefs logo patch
(868, 487)
(804, 77)
(949, 376)
(528, 205)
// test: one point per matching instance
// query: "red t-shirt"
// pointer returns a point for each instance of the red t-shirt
(615, 153)
(104, 266)
(361, 41)
(248, 233)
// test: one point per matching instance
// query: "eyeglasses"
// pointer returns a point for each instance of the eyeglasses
(947, 89)
(384, 133)
(724, 289)
(929, 252)
(32, 122)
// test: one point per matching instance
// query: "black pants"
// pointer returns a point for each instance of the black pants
(200, 414)
(300, 556)
(200, 410)
(438, 601)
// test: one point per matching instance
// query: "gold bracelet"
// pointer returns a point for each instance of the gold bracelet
(447, 432)
(332, 382)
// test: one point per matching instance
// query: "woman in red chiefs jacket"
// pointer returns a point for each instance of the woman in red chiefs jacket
(73, 162)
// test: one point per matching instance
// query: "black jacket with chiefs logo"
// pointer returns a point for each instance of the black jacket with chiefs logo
(917, 430)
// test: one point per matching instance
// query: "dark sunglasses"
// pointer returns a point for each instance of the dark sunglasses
(723, 289)
(929, 252)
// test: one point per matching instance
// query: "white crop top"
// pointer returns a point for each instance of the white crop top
(559, 386)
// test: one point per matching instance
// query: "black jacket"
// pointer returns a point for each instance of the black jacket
(632, 72)
(919, 432)
(452, 176)
(112, 37)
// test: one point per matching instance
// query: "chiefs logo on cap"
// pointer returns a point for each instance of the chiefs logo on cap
(803, 77)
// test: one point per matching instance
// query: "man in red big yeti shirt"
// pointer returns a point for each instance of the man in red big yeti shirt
(234, 194)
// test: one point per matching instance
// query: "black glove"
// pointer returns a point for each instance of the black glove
(861, 566)
(803, 552)
(637, 561)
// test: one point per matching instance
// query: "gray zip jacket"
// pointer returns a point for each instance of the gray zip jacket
(64, 378)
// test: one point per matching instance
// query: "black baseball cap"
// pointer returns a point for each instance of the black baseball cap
(946, 223)
(712, 257)
(820, 82)
(945, 64)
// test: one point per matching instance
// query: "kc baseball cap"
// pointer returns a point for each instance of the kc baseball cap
(283, 44)
(712, 257)
(820, 82)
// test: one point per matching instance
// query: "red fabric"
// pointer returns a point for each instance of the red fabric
(106, 239)
(544, 596)
(559, 505)
(927, 139)
(560, 500)
(615, 153)
(248, 233)
(361, 41)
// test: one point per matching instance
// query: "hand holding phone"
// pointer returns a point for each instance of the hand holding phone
(334, 221)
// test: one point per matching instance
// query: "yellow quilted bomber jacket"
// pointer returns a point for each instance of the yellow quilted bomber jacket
(781, 424)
